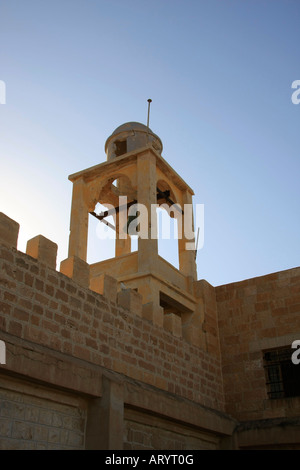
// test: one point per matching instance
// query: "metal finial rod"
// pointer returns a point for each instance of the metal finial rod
(149, 101)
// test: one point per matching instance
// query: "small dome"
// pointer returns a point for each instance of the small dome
(129, 137)
(131, 126)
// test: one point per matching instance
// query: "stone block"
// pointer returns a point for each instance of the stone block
(204, 289)
(43, 250)
(154, 313)
(131, 300)
(76, 269)
(105, 285)
(9, 231)
(172, 323)
(194, 335)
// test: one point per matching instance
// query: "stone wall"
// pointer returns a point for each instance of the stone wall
(75, 348)
(140, 433)
(41, 305)
(36, 418)
(87, 368)
(256, 315)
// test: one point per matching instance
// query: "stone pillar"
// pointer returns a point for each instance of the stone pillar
(9, 231)
(153, 312)
(206, 295)
(43, 250)
(123, 245)
(76, 269)
(149, 288)
(123, 240)
(105, 419)
(79, 221)
(147, 195)
(131, 300)
(187, 262)
(105, 285)
(172, 323)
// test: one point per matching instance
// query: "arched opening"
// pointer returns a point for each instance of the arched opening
(167, 234)
(167, 224)
(115, 193)
(101, 236)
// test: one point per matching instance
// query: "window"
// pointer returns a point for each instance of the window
(121, 147)
(283, 377)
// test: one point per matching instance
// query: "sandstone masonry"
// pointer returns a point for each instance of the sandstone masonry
(86, 367)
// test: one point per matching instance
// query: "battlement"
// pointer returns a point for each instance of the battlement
(90, 365)
(92, 320)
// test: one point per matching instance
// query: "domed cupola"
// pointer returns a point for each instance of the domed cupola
(129, 137)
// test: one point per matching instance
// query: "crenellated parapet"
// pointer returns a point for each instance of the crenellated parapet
(96, 319)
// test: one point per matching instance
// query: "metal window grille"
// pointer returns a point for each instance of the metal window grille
(283, 377)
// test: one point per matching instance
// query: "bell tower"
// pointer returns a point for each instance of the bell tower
(133, 181)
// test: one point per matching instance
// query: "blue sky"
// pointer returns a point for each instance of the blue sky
(219, 73)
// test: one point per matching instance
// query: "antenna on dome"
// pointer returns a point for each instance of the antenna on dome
(149, 101)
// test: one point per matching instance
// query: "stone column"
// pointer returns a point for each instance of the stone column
(106, 417)
(9, 231)
(42, 249)
(123, 245)
(187, 262)
(79, 221)
(146, 195)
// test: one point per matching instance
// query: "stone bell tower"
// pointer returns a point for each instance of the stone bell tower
(136, 172)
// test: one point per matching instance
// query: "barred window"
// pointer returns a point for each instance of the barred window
(283, 377)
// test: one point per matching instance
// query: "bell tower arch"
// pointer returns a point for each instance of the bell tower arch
(136, 173)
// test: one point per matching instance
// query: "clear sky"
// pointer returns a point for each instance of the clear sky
(219, 73)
